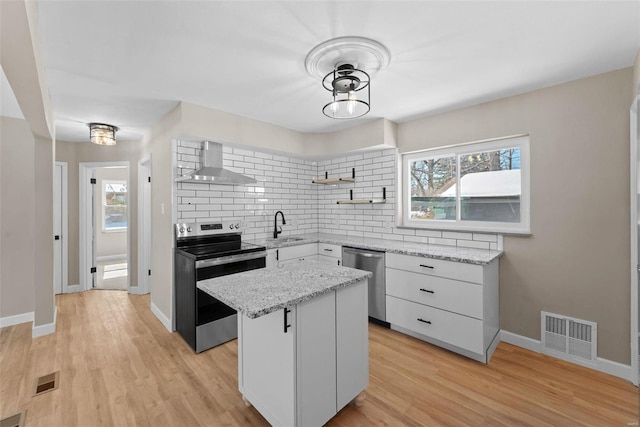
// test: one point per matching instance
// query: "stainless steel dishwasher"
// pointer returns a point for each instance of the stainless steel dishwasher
(373, 261)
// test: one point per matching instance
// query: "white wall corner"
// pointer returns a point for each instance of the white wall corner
(137, 290)
(602, 365)
(47, 328)
(16, 319)
(161, 317)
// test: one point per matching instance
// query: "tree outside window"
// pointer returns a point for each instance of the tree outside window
(114, 206)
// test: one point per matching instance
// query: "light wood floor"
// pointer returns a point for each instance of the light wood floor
(120, 367)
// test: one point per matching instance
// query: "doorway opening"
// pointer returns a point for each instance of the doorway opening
(104, 226)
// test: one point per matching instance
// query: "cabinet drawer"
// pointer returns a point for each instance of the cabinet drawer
(329, 260)
(452, 295)
(299, 251)
(436, 267)
(455, 329)
(327, 249)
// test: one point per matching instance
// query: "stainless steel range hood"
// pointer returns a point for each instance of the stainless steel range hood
(212, 171)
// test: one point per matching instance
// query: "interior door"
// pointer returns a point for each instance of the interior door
(57, 230)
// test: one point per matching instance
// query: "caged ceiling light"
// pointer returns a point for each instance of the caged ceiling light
(102, 134)
(345, 65)
(350, 90)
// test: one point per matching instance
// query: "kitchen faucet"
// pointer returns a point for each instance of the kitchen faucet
(275, 224)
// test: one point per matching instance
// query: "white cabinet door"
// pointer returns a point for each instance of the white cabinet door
(299, 251)
(329, 260)
(447, 294)
(316, 360)
(456, 329)
(265, 344)
(352, 342)
(272, 258)
(330, 250)
(436, 267)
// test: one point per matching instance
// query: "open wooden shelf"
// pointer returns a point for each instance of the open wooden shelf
(360, 201)
(352, 201)
(327, 181)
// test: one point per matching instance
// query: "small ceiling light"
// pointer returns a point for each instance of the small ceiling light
(350, 89)
(102, 134)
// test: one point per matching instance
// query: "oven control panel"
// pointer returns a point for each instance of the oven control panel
(209, 228)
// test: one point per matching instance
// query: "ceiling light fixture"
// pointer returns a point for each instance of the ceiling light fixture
(102, 134)
(345, 83)
(345, 65)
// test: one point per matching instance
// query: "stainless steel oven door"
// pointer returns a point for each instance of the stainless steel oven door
(209, 309)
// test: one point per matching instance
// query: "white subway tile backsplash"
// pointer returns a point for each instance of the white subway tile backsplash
(457, 235)
(284, 183)
(473, 244)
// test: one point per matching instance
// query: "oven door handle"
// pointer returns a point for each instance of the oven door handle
(230, 259)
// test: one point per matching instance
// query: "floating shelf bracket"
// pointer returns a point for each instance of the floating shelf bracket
(351, 201)
(328, 180)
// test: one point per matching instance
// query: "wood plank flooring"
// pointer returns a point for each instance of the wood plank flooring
(120, 367)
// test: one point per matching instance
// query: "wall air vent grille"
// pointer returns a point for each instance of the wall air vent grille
(570, 339)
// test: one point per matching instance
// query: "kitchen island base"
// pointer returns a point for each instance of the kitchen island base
(300, 365)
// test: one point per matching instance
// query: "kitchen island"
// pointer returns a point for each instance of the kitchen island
(302, 339)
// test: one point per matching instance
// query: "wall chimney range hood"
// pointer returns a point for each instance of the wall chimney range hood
(211, 171)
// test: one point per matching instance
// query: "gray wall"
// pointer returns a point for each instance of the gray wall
(576, 262)
(17, 217)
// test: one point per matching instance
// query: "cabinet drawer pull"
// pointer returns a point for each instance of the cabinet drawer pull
(328, 250)
(427, 290)
(286, 325)
(427, 266)
(424, 321)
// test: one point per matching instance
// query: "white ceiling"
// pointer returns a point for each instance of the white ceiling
(128, 63)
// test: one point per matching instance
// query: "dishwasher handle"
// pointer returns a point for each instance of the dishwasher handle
(361, 253)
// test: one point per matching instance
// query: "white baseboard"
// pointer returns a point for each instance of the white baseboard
(520, 341)
(16, 319)
(71, 289)
(602, 365)
(161, 317)
(117, 257)
(47, 328)
(137, 290)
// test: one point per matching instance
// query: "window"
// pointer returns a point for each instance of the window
(477, 187)
(114, 205)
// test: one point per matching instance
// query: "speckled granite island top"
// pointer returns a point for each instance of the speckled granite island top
(446, 253)
(258, 292)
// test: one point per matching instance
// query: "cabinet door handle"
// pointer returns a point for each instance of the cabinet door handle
(277, 254)
(286, 322)
(427, 266)
(427, 290)
(424, 321)
(328, 250)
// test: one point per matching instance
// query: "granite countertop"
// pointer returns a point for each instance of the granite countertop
(258, 292)
(447, 253)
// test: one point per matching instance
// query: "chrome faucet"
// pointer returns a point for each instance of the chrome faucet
(275, 224)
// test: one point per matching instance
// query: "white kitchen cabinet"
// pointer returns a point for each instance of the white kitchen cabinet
(304, 376)
(451, 304)
(289, 254)
(272, 258)
(330, 254)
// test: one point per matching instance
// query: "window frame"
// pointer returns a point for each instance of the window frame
(523, 227)
(106, 229)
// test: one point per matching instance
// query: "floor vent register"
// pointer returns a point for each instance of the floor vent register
(16, 420)
(570, 339)
(46, 383)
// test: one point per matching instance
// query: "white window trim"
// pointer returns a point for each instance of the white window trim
(523, 227)
(104, 204)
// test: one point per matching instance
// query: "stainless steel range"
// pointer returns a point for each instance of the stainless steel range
(204, 251)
